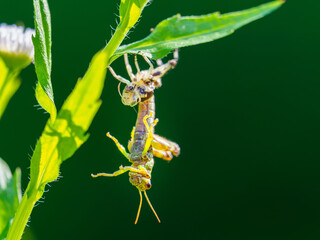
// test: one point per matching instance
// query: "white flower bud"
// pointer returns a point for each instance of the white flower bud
(16, 47)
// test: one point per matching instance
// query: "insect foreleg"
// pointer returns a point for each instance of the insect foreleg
(148, 61)
(116, 173)
(121, 79)
(132, 132)
(120, 147)
(150, 133)
(128, 66)
(136, 63)
(141, 171)
(132, 137)
(122, 170)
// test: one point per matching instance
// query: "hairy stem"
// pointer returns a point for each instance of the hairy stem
(25, 208)
(115, 42)
(22, 215)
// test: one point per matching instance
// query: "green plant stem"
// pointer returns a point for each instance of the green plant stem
(115, 42)
(25, 207)
(22, 215)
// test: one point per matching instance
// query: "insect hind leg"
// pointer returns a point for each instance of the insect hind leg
(164, 148)
(165, 155)
(175, 59)
(164, 68)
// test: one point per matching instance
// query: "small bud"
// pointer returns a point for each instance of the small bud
(16, 47)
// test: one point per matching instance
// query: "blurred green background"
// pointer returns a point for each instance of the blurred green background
(244, 109)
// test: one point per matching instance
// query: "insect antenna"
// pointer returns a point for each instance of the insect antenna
(119, 91)
(134, 108)
(151, 206)
(139, 209)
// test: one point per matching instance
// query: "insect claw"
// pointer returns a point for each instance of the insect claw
(151, 114)
(155, 122)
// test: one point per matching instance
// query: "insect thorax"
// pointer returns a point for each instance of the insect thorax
(145, 163)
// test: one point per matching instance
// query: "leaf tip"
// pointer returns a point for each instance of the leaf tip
(281, 2)
(18, 171)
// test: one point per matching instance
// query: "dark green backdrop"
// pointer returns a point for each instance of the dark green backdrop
(244, 109)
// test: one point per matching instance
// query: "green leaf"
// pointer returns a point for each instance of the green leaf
(130, 11)
(10, 196)
(9, 84)
(61, 138)
(42, 56)
(28, 234)
(178, 32)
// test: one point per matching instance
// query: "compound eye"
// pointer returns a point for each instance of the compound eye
(130, 88)
(148, 185)
(142, 91)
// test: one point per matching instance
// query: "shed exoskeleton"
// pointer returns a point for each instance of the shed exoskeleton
(143, 83)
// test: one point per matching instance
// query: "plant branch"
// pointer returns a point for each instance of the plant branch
(22, 215)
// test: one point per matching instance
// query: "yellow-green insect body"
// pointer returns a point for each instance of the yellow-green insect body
(140, 155)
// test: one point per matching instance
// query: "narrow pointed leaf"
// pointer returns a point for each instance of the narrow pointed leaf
(42, 56)
(61, 138)
(178, 32)
(130, 11)
(10, 196)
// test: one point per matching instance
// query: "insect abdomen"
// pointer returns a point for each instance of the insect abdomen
(140, 134)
